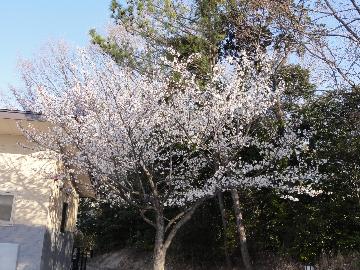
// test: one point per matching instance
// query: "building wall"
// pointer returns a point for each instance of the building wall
(37, 207)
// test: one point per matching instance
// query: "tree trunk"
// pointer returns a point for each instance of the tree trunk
(241, 229)
(224, 224)
(159, 257)
(159, 250)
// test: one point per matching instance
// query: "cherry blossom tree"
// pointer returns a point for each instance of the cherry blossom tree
(160, 140)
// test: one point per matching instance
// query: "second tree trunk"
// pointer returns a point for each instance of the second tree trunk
(241, 230)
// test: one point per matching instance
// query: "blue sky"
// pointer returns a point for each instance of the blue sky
(26, 25)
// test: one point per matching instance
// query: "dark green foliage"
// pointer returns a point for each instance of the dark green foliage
(297, 84)
(113, 228)
(303, 229)
(200, 240)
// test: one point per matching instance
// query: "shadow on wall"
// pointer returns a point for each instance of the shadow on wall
(57, 250)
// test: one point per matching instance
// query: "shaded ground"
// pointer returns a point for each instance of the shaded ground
(125, 259)
(132, 259)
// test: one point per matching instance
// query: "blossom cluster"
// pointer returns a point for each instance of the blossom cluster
(163, 134)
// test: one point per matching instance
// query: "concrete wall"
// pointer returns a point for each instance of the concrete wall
(37, 207)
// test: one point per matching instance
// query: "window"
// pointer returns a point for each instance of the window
(64, 217)
(6, 206)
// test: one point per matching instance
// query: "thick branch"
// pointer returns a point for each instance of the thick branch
(173, 220)
(182, 221)
(147, 220)
(356, 6)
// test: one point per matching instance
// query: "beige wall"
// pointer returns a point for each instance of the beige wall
(30, 177)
